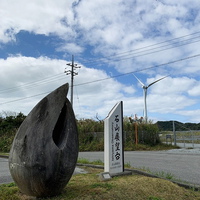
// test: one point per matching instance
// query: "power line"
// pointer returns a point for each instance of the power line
(116, 76)
(125, 58)
(114, 60)
(117, 57)
(33, 84)
(24, 98)
(130, 54)
(159, 43)
(139, 70)
(135, 50)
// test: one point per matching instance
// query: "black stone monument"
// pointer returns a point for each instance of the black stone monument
(44, 152)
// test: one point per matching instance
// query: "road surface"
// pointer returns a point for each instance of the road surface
(183, 164)
(5, 176)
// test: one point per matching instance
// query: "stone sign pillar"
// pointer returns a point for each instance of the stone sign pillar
(113, 140)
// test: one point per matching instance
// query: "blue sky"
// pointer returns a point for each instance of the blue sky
(109, 40)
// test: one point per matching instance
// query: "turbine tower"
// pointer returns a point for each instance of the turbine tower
(145, 87)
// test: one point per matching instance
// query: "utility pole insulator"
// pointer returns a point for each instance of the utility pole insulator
(73, 73)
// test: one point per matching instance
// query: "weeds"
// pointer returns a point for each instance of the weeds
(127, 165)
(161, 174)
(87, 186)
(86, 161)
(154, 198)
(166, 175)
(107, 186)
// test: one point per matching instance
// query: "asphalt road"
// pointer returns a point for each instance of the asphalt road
(5, 176)
(182, 164)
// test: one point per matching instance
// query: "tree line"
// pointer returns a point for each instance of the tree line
(91, 133)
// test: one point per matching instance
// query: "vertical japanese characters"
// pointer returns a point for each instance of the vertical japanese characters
(117, 137)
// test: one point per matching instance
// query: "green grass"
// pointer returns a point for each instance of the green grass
(166, 175)
(89, 187)
(98, 162)
(9, 191)
(107, 186)
(161, 174)
(154, 198)
(86, 161)
(4, 154)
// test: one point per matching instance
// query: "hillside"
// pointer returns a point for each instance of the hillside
(168, 126)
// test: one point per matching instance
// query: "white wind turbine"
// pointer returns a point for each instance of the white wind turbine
(145, 93)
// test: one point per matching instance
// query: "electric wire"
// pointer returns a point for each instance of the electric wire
(33, 84)
(126, 58)
(116, 76)
(126, 55)
(79, 105)
(25, 98)
(156, 44)
(139, 70)
(111, 59)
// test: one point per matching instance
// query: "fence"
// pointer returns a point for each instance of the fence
(186, 139)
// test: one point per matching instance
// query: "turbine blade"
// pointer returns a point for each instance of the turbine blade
(157, 81)
(143, 85)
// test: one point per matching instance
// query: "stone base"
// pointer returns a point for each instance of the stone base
(105, 176)
(124, 173)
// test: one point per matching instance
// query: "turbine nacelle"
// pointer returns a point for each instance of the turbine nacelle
(144, 87)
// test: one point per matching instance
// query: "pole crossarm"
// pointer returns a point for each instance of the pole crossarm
(72, 73)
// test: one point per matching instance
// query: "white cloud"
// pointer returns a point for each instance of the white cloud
(170, 85)
(70, 48)
(191, 115)
(171, 95)
(128, 28)
(168, 103)
(40, 17)
(129, 90)
(195, 90)
(108, 25)
(23, 77)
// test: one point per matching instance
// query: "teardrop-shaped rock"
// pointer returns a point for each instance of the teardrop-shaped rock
(45, 149)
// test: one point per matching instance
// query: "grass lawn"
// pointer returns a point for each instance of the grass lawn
(88, 186)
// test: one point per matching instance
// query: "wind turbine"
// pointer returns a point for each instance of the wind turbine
(145, 87)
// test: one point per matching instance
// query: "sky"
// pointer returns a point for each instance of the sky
(110, 41)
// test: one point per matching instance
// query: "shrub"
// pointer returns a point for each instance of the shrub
(148, 134)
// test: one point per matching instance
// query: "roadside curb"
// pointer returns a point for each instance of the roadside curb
(135, 171)
(4, 156)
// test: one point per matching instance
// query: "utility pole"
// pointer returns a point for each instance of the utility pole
(174, 131)
(73, 73)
